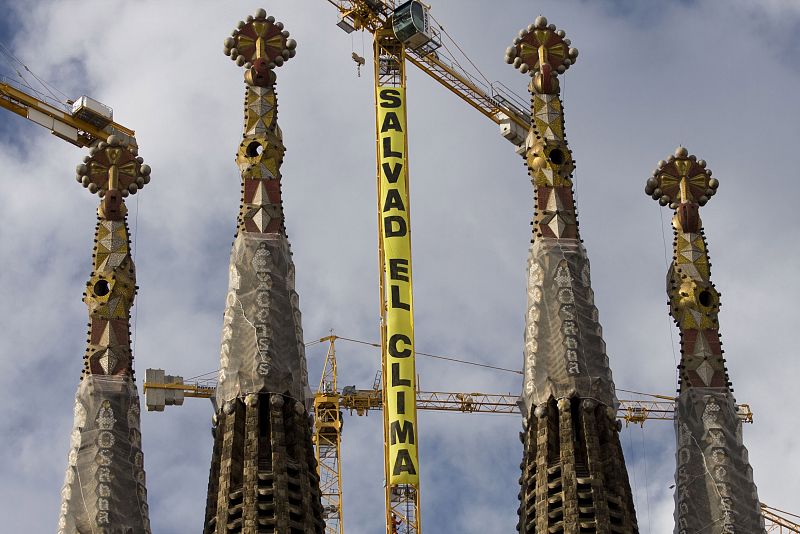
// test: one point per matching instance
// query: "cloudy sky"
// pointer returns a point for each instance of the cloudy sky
(717, 76)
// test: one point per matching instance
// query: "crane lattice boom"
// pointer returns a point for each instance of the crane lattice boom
(493, 99)
(86, 122)
(330, 403)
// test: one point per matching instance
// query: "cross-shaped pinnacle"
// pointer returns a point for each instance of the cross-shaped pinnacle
(544, 52)
(113, 170)
(681, 179)
(260, 44)
(684, 183)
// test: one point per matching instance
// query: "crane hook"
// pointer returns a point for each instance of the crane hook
(359, 61)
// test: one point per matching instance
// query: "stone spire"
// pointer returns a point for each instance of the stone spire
(573, 472)
(263, 470)
(104, 488)
(714, 489)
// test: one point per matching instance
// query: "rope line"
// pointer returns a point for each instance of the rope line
(666, 265)
(488, 83)
(11, 58)
(646, 483)
(436, 356)
(646, 394)
(633, 469)
(134, 248)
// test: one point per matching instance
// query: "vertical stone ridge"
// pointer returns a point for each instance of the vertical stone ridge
(263, 475)
(104, 487)
(574, 478)
(714, 488)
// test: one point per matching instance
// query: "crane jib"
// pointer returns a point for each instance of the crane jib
(396, 241)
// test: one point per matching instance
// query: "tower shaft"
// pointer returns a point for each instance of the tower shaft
(263, 470)
(573, 471)
(104, 487)
(714, 489)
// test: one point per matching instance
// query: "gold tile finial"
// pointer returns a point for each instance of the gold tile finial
(259, 44)
(544, 52)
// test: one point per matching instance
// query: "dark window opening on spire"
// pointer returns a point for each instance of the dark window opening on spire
(101, 288)
(254, 149)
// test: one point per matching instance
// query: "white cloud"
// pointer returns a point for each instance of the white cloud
(637, 91)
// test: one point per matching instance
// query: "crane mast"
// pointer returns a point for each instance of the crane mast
(400, 439)
(402, 32)
(328, 443)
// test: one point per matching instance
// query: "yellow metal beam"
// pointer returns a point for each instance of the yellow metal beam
(361, 401)
(189, 389)
(777, 520)
(327, 440)
(58, 121)
(12, 106)
(465, 89)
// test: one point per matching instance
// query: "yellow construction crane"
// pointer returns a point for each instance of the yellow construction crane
(81, 122)
(778, 521)
(411, 24)
(330, 404)
(407, 31)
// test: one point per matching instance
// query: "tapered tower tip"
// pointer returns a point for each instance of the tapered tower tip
(543, 52)
(682, 179)
(259, 44)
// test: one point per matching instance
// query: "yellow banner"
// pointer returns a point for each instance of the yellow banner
(400, 379)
